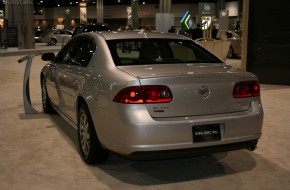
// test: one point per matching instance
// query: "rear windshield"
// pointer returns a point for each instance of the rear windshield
(158, 51)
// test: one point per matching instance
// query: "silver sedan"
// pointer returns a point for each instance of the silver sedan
(57, 36)
(236, 43)
(150, 96)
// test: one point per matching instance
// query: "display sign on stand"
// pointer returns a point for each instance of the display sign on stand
(206, 15)
(83, 12)
(186, 22)
(224, 20)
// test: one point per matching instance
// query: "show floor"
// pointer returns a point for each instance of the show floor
(39, 152)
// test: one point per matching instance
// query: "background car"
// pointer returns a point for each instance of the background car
(150, 95)
(236, 43)
(90, 27)
(57, 36)
(38, 34)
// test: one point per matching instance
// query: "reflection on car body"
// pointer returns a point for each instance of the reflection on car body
(166, 96)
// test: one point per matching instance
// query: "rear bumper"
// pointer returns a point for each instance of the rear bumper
(134, 132)
(189, 152)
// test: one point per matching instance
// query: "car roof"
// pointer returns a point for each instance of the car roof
(114, 35)
(91, 27)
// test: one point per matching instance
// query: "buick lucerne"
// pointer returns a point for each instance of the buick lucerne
(149, 96)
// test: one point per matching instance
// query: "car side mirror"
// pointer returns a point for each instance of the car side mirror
(48, 57)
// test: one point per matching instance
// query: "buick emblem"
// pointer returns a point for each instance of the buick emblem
(204, 92)
(206, 7)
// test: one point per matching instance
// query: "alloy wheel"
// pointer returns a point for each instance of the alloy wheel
(84, 134)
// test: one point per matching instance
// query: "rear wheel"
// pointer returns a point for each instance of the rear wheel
(231, 53)
(46, 104)
(52, 42)
(90, 148)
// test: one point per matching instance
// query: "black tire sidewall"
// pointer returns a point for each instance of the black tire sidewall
(52, 41)
(96, 152)
(232, 52)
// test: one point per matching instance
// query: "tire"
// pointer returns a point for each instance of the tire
(90, 148)
(46, 104)
(231, 53)
(52, 42)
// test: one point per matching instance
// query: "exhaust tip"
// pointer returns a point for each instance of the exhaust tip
(252, 148)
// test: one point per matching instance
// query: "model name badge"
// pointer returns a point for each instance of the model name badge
(205, 133)
(199, 133)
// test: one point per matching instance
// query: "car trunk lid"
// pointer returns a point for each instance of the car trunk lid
(198, 89)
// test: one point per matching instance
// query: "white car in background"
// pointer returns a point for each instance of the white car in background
(57, 36)
(236, 43)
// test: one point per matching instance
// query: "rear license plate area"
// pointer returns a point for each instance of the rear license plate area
(206, 133)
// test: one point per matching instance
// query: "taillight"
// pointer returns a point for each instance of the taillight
(246, 89)
(144, 95)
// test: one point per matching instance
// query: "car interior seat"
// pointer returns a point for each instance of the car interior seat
(149, 51)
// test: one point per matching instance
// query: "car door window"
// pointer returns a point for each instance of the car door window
(85, 51)
(67, 55)
(78, 52)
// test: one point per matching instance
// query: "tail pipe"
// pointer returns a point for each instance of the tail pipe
(252, 148)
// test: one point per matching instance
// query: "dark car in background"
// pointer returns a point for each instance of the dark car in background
(38, 34)
(90, 27)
